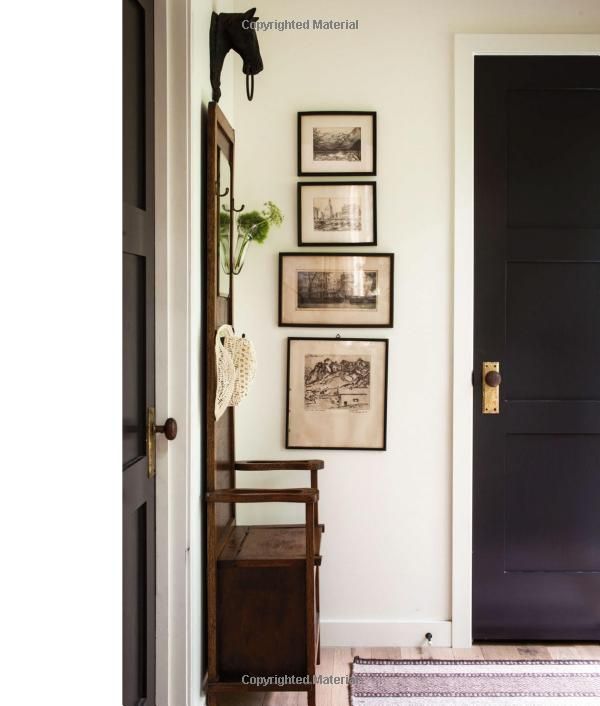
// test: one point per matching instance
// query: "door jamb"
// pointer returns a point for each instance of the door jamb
(466, 47)
(177, 589)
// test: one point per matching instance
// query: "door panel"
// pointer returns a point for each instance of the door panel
(536, 526)
(550, 345)
(553, 179)
(134, 103)
(559, 531)
(134, 358)
(139, 579)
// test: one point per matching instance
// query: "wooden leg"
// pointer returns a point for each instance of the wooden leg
(312, 695)
(211, 700)
(319, 650)
(318, 605)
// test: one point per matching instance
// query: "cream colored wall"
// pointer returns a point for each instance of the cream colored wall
(387, 569)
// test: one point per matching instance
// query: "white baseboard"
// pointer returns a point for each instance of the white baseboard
(335, 633)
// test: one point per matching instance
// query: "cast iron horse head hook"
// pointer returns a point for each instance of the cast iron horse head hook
(231, 30)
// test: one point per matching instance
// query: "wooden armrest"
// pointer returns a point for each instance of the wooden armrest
(258, 495)
(310, 465)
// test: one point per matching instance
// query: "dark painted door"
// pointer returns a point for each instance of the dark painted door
(138, 354)
(536, 544)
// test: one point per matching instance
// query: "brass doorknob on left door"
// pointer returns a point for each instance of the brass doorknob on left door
(169, 429)
(493, 378)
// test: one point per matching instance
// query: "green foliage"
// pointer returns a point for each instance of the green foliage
(224, 220)
(255, 225)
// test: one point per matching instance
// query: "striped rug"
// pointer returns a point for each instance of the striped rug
(434, 682)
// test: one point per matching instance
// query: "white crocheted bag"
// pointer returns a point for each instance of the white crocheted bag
(225, 371)
(236, 367)
(243, 354)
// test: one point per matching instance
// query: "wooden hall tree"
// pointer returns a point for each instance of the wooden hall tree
(262, 580)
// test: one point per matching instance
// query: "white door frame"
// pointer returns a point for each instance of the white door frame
(178, 535)
(466, 47)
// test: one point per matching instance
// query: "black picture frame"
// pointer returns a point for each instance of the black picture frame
(385, 342)
(304, 184)
(336, 324)
(349, 172)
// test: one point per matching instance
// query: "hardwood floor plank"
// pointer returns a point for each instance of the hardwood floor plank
(290, 698)
(533, 652)
(284, 698)
(341, 667)
(364, 652)
(500, 652)
(467, 652)
(439, 652)
(386, 652)
(252, 698)
(563, 652)
(412, 653)
(588, 651)
(324, 691)
(326, 660)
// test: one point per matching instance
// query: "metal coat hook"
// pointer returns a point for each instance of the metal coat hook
(224, 193)
(237, 210)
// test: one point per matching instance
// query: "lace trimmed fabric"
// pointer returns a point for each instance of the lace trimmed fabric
(243, 354)
(225, 371)
(236, 367)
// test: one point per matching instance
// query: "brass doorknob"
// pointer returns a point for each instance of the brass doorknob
(493, 378)
(169, 429)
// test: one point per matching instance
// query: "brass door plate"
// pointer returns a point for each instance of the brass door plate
(490, 395)
(151, 441)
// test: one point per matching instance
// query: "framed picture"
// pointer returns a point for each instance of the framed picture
(337, 393)
(337, 213)
(337, 142)
(325, 289)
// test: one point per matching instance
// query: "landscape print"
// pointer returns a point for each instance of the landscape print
(337, 289)
(337, 382)
(337, 214)
(337, 393)
(337, 144)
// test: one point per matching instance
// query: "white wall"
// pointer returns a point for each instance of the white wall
(386, 572)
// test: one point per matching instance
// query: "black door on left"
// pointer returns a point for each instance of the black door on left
(138, 355)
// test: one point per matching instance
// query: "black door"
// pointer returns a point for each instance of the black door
(138, 354)
(536, 545)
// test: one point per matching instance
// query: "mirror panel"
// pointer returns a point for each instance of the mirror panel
(225, 225)
(218, 293)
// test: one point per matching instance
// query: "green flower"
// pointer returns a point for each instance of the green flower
(255, 225)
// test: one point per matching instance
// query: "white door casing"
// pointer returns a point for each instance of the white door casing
(178, 535)
(466, 47)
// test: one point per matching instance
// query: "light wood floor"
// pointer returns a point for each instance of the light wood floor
(336, 661)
